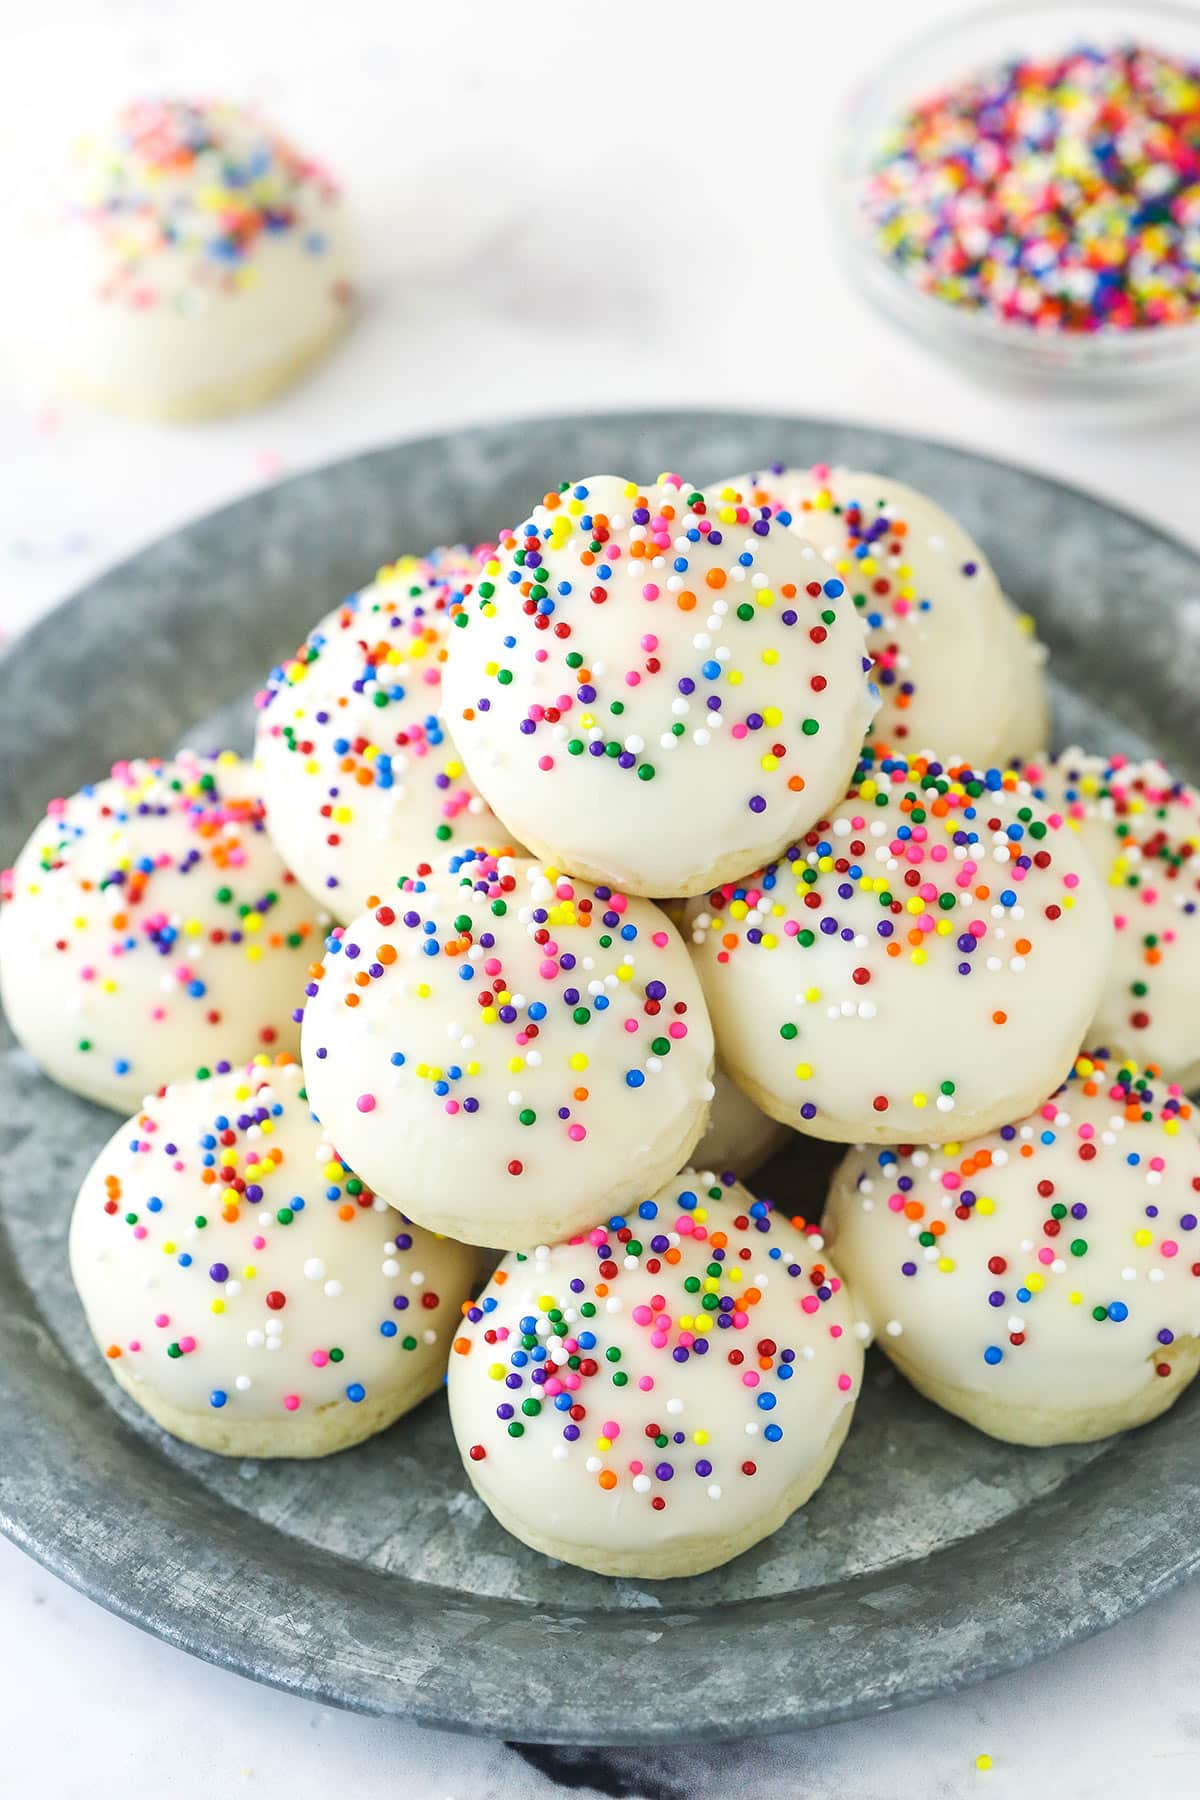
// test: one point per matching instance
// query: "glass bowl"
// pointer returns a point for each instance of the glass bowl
(1155, 361)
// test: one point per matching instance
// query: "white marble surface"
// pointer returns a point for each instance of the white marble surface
(663, 169)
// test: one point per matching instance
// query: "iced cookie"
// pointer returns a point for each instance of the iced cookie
(1141, 828)
(958, 668)
(1042, 1281)
(150, 930)
(359, 774)
(503, 1051)
(194, 263)
(248, 1290)
(923, 964)
(655, 691)
(740, 1136)
(657, 1395)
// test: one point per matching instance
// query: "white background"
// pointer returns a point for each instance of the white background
(560, 207)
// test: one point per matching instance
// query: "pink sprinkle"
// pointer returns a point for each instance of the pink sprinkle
(844, 1383)
(162, 1320)
(576, 1133)
(365, 1103)
(1071, 881)
(139, 1231)
(187, 1345)
(1045, 1254)
(545, 762)
(649, 642)
(642, 1315)
(809, 1303)
(291, 1401)
(320, 1358)
(645, 1383)
(660, 940)
(750, 1378)
(610, 1429)
(1169, 1247)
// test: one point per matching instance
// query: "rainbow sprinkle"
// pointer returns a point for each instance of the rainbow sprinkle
(960, 1213)
(1062, 195)
(354, 750)
(208, 181)
(595, 1365)
(253, 1236)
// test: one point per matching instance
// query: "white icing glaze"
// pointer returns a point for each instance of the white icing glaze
(740, 1136)
(704, 1315)
(1141, 827)
(551, 1057)
(982, 1266)
(956, 668)
(235, 1272)
(361, 779)
(193, 263)
(618, 713)
(835, 978)
(149, 928)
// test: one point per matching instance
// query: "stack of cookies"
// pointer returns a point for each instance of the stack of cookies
(574, 875)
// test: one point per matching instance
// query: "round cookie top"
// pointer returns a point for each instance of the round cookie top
(229, 1261)
(947, 670)
(923, 962)
(663, 1378)
(1054, 1262)
(191, 246)
(498, 1048)
(654, 689)
(150, 929)
(359, 774)
(1141, 827)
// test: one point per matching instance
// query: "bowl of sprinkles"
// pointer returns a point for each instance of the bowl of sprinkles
(1023, 192)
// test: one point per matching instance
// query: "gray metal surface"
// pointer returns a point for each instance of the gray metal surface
(932, 1556)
